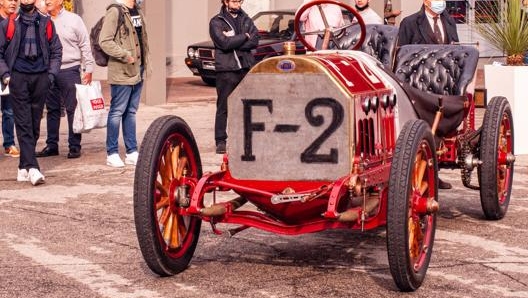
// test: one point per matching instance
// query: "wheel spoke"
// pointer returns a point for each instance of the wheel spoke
(164, 202)
(423, 187)
(168, 229)
(182, 164)
(175, 237)
(175, 158)
(163, 190)
(181, 226)
(417, 170)
(420, 174)
(164, 217)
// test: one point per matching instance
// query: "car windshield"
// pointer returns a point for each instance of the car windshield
(274, 25)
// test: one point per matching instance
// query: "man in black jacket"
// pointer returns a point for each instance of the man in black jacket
(29, 63)
(431, 25)
(234, 36)
(419, 28)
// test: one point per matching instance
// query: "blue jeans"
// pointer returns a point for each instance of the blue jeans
(8, 122)
(123, 108)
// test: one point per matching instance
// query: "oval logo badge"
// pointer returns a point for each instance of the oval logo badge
(286, 65)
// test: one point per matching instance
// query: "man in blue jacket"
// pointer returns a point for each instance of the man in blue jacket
(430, 25)
(29, 63)
(234, 35)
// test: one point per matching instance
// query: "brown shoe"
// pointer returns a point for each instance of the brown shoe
(12, 151)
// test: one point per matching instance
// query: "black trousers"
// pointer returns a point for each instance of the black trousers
(226, 82)
(63, 91)
(29, 94)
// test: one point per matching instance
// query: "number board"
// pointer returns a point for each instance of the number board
(289, 127)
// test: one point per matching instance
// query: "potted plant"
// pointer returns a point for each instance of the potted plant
(504, 25)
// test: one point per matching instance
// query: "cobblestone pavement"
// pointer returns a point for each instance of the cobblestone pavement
(75, 237)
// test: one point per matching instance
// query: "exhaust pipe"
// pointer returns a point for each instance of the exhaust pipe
(222, 208)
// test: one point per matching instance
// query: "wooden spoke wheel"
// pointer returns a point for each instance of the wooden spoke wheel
(168, 157)
(496, 153)
(412, 205)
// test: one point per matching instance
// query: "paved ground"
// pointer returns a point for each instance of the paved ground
(74, 236)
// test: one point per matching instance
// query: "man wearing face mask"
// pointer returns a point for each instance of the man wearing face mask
(234, 36)
(29, 63)
(431, 25)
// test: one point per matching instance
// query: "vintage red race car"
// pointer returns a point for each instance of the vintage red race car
(339, 140)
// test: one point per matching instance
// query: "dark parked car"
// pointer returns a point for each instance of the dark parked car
(275, 27)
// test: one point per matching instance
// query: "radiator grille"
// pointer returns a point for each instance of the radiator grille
(366, 141)
(206, 53)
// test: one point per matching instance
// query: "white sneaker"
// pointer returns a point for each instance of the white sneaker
(35, 176)
(131, 159)
(114, 160)
(22, 175)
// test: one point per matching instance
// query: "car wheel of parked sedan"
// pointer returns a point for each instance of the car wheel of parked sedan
(209, 81)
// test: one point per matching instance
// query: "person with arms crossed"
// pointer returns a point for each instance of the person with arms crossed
(126, 44)
(8, 7)
(76, 56)
(234, 36)
(29, 63)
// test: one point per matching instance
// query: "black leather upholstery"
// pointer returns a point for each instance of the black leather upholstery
(438, 69)
(380, 42)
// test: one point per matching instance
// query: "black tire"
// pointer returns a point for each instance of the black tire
(495, 174)
(209, 81)
(410, 230)
(153, 213)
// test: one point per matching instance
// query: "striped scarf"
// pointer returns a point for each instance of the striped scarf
(30, 39)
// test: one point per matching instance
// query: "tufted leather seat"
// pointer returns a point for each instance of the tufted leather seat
(437, 69)
(380, 42)
(430, 72)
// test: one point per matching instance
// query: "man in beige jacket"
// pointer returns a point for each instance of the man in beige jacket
(124, 38)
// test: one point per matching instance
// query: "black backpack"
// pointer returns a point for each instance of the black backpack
(100, 57)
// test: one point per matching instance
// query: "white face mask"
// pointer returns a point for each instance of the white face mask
(438, 6)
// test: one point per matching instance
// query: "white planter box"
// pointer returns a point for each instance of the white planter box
(511, 82)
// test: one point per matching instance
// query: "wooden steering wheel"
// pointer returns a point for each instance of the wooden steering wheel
(329, 33)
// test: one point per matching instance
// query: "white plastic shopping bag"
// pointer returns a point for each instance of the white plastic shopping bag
(91, 111)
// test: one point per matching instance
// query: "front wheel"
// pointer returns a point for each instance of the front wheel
(496, 153)
(168, 157)
(412, 205)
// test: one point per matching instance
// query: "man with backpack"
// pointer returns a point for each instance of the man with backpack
(30, 59)
(76, 57)
(123, 38)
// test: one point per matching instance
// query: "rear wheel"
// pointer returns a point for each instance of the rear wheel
(412, 203)
(496, 153)
(168, 156)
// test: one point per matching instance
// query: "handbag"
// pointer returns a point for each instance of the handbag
(91, 111)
